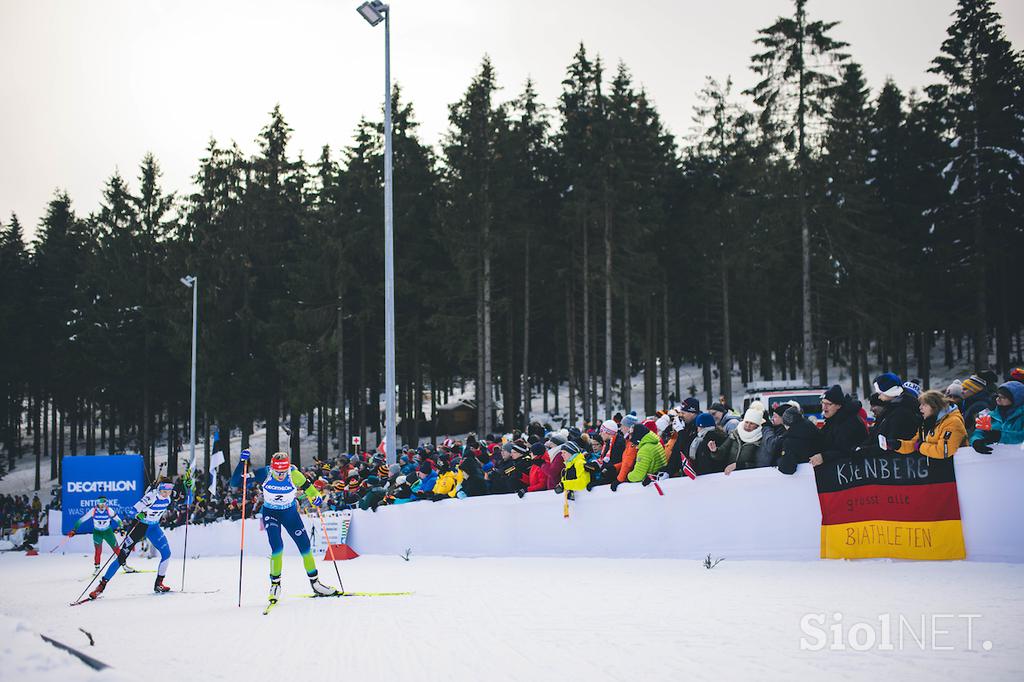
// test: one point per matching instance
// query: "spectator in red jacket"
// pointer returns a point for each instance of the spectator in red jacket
(539, 469)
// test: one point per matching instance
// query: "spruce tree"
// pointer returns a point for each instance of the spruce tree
(980, 93)
(797, 74)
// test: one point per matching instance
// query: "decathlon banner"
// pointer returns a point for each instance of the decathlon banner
(119, 478)
(897, 506)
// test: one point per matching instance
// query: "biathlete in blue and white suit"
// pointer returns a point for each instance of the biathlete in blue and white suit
(280, 483)
(150, 510)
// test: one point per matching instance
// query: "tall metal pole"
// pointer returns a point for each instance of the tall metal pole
(192, 418)
(193, 283)
(389, 268)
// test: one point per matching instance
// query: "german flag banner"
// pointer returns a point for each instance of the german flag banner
(898, 506)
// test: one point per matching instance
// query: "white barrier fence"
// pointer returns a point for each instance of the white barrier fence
(756, 514)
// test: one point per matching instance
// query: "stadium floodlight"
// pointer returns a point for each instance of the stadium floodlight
(188, 281)
(373, 11)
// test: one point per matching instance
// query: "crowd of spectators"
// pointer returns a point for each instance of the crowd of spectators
(684, 441)
(19, 511)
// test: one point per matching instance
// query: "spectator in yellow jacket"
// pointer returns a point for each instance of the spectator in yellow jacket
(942, 432)
(448, 482)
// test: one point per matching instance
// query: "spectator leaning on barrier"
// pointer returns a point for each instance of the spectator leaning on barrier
(942, 430)
(978, 395)
(555, 441)
(613, 444)
(650, 456)
(473, 483)
(1005, 424)
(741, 447)
(539, 465)
(684, 423)
(843, 432)
(627, 426)
(704, 423)
(900, 418)
(772, 434)
(706, 456)
(802, 440)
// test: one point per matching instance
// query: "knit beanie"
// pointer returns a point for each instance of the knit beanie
(955, 390)
(836, 396)
(704, 421)
(754, 413)
(913, 387)
(630, 420)
(974, 384)
(691, 405)
(888, 384)
(609, 427)
(791, 416)
(780, 408)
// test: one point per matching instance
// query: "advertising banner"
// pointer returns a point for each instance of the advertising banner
(119, 478)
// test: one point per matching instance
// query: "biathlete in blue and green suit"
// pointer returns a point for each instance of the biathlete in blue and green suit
(280, 483)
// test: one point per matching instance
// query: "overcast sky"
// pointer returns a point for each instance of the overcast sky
(89, 86)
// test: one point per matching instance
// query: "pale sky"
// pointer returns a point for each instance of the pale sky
(89, 86)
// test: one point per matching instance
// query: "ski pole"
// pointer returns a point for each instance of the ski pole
(241, 548)
(103, 570)
(323, 527)
(191, 486)
(62, 543)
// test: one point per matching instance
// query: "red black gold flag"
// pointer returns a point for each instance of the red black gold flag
(898, 506)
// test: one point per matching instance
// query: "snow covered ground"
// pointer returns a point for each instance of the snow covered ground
(516, 619)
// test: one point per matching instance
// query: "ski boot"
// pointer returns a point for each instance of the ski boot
(96, 569)
(275, 590)
(321, 590)
(159, 586)
(128, 569)
(99, 589)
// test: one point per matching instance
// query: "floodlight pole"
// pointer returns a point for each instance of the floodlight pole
(390, 437)
(193, 284)
(373, 11)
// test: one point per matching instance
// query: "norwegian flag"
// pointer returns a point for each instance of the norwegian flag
(688, 469)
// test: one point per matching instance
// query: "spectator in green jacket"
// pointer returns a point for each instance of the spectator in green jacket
(650, 458)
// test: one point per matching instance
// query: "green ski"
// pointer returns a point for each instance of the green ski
(352, 594)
